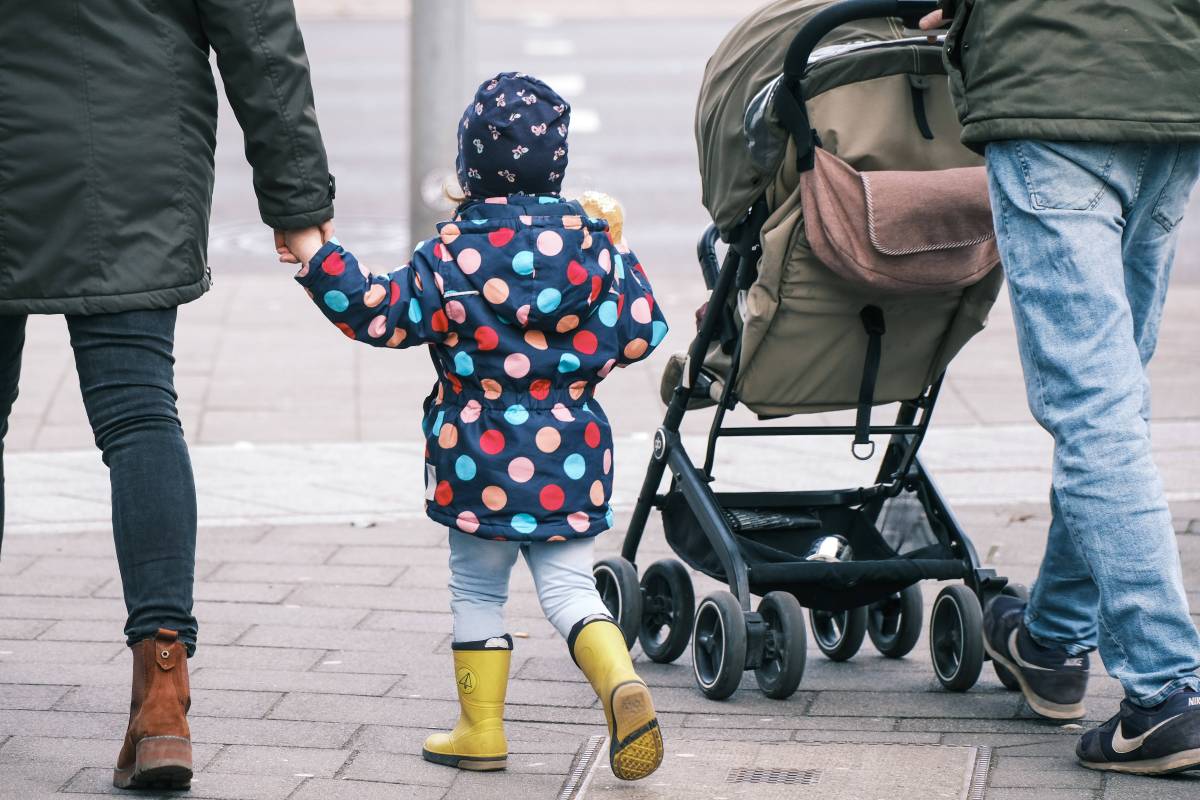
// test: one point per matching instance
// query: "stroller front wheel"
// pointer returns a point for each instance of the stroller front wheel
(956, 638)
(719, 645)
(617, 582)
(785, 647)
(668, 609)
(839, 634)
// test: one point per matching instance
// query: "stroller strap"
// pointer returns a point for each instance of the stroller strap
(873, 323)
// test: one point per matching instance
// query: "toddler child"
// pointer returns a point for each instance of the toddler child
(527, 304)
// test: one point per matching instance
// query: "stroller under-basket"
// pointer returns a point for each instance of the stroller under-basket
(784, 335)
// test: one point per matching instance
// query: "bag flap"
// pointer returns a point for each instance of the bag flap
(922, 212)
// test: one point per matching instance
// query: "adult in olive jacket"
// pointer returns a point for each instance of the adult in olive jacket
(108, 114)
(1088, 113)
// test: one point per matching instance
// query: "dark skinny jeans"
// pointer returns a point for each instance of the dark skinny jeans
(126, 373)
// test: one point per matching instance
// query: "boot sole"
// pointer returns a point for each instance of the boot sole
(161, 762)
(1040, 706)
(472, 763)
(641, 752)
(1166, 765)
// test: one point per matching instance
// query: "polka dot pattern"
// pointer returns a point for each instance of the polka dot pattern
(528, 305)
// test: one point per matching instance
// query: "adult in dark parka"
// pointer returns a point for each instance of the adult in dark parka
(1088, 112)
(107, 130)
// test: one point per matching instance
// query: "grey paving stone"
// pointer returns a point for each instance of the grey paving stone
(66, 674)
(283, 761)
(205, 702)
(910, 704)
(740, 722)
(690, 700)
(325, 789)
(22, 628)
(102, 567)
(279, 681)
(1017, 744)
(276, 732)
(290, 613)
(28, 651)
(56, 723)
(394, 598)
(342, 639)
(50, 586)
(1035, 727)
(406, 768)
(378, 535)
(390, 556)
(261, 553)
(79, 753)
(420, 665)
(56, 608)
(309, 573)
(32, 697)
(34, 781)
(1040, 794)
(266, 658)
(865, 737)
(205, 785)
(468, 786)
(523, 737)
(1037, 773)
(1132, 787)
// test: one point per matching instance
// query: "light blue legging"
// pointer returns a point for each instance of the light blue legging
(479, 573)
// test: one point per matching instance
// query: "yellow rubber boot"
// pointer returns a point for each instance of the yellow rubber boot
(477, 741)
(635, 743)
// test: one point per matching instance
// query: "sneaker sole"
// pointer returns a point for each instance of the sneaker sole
(641, 752)
(1040, 706)
(1166, 765)
(471, 763)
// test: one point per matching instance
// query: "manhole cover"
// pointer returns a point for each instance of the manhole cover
(793, 770)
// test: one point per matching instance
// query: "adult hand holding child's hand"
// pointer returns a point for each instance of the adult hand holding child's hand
(299, 246)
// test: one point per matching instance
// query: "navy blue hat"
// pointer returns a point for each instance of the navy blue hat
(513, 138)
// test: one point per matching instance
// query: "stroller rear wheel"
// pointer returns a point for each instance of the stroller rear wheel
(784, 647)
(719, 645)
(894, 623)
(668, 609)
(956, 638)
(1007, 678)
(617, 582)
(839, 634)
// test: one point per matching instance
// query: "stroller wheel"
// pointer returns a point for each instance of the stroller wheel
(956, 638)
(894, 623)
(839, 634)
(1007, 678)
(719, 645)
(785, 646)
(668, 611)
(617, 581)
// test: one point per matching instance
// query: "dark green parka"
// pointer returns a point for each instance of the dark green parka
(1075, 70)
(108, 115)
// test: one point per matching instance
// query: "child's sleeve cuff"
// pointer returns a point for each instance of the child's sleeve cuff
(310, 274)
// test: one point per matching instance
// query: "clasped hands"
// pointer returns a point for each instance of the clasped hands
(300, 245)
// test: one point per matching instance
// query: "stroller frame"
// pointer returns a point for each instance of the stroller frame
(956, 629)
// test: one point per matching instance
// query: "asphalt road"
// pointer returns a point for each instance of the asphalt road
(633, 84)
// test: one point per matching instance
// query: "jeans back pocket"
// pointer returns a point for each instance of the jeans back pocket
(1065, 176)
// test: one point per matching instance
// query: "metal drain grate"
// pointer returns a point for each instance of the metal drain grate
(979, 775)
(795, 777)
(574, 785)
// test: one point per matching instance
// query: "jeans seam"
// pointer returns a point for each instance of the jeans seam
(1166, 224)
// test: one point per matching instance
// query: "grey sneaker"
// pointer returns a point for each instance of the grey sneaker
(1146, 741)
(1052, 680)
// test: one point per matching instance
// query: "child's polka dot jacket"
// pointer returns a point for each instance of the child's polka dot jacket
(527, 304)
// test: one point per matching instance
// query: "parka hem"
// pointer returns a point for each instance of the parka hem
(504, 533)
(108, 304)
(976, 134)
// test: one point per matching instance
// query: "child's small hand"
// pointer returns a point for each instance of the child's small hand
(299, 246)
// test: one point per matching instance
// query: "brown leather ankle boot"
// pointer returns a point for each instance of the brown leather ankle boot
(157, 753)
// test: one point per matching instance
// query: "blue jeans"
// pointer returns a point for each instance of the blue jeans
(126, 373)
(1087, 234)
(479, 573)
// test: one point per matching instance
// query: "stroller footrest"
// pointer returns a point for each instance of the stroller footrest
(853, 573)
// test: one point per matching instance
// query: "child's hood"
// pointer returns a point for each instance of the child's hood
(540, 262)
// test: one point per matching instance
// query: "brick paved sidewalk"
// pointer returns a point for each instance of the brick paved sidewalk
(324, 664)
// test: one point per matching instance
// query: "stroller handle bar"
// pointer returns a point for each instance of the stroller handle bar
(835, 15)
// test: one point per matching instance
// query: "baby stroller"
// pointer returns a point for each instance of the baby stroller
(785, 334)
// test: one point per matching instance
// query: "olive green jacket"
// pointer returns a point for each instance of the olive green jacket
(1075, 70)
(108, 113)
